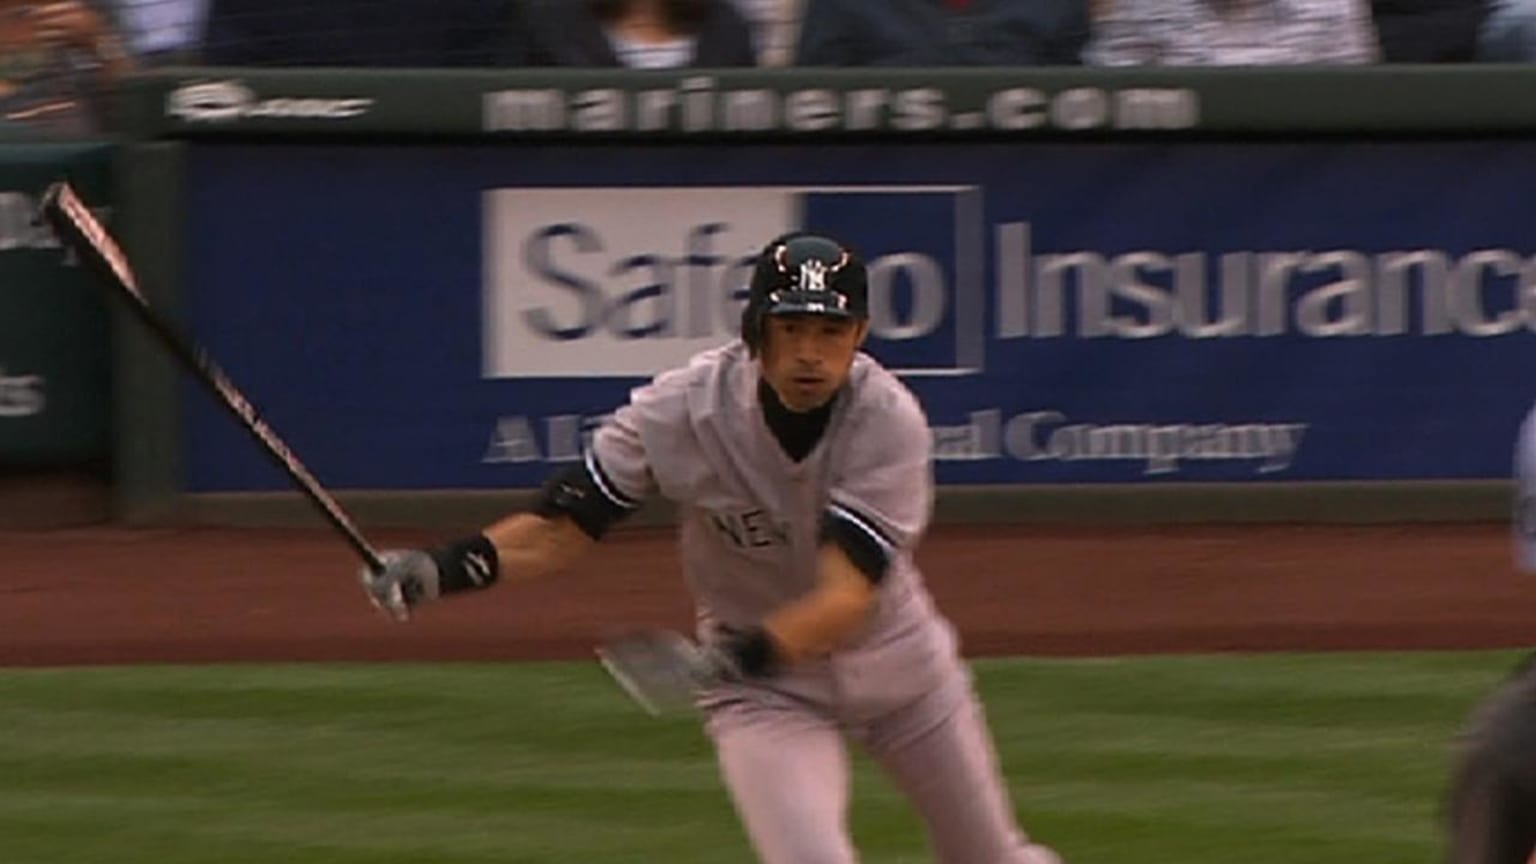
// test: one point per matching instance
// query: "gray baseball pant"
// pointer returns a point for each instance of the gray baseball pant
(786, 765)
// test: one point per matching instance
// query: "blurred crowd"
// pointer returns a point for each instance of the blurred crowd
(56, 56)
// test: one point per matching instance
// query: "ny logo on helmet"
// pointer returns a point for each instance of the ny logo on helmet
(813, 276)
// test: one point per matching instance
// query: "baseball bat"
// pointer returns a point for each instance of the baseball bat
(661, 671)
(80, 231)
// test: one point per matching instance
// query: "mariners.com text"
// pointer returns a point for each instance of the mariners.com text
(697, 105)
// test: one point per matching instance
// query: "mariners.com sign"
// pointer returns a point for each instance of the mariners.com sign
(697, 104)
(689, 105)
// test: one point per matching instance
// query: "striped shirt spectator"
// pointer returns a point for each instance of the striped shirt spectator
(1232, 33)
(775, 27)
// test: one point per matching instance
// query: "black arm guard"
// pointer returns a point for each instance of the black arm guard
(856, 535)
(585, 495)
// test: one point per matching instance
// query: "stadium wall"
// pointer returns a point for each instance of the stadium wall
(1212, 295)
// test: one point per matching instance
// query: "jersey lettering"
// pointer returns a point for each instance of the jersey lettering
(750, 529)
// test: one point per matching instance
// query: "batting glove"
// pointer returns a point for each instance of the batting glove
(742, 653)
(410, 577)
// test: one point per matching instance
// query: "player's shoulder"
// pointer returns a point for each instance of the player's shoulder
(876, 394)
(694, 385)
(700, 368)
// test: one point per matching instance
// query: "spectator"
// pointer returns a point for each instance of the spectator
(1232, 33)
(409, 33)
(168, 31)
(1429, 31)
(1509, 33)
(58, 60)
(639, 34)
(943, 33)
(775, 27)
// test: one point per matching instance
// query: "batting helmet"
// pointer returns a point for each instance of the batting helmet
(804, 274)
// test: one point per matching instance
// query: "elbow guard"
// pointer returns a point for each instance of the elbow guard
(863, 543)
(585, 495)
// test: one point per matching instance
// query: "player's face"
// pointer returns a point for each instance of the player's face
(806, 358)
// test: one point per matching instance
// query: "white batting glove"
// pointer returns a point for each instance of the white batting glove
(409, 578)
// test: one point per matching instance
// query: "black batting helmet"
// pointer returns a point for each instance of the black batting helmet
(804, 274)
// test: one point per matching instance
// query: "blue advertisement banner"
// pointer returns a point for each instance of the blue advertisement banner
(461, 317)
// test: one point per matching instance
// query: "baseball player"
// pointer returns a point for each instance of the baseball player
(1491, 804)
(802, 474)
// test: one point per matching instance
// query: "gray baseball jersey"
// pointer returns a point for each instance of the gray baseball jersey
(750, 516)
(750, 528)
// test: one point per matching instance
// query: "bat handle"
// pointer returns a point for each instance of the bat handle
(371, 557)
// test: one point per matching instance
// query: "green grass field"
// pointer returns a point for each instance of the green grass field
(1278, 759)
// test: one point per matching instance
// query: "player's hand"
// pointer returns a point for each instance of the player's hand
(409, 578)
(708, 666)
